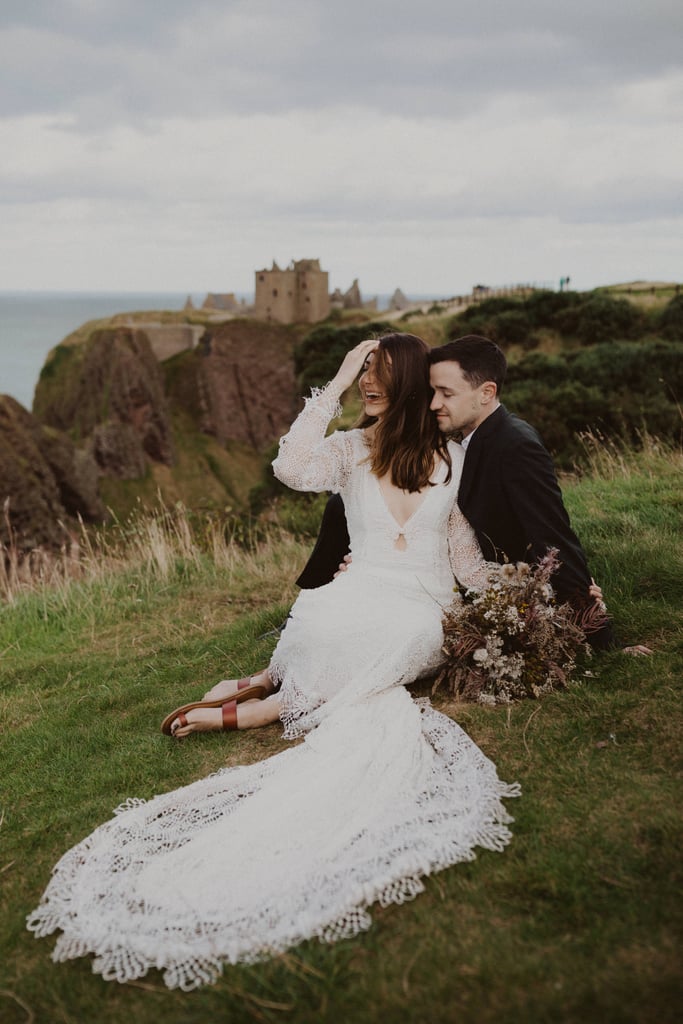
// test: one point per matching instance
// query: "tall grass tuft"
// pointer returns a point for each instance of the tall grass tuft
(156, 545)
(607, 458)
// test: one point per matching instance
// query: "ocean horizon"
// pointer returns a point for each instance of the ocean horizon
(33, 322)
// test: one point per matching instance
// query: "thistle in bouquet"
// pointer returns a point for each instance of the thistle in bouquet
(511, 639)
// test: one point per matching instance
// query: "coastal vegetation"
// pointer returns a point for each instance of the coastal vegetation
(594, 361)
(119, 423)
(577, 920)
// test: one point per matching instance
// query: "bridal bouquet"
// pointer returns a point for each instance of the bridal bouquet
(511, 640)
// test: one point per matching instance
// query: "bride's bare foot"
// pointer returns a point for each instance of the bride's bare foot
(228, 687)
(250, 714)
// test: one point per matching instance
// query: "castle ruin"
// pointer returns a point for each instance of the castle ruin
(299, 294)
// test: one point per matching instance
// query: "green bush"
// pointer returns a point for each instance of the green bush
(479, 318)
(537, 366)
(488, 308)
(543, 306)
(591, 318)
(671, 319)
(507, 327)
(559, 413)
(479, 324)
(600, 318)
(641, 367)
(619, 390)
(511, 327)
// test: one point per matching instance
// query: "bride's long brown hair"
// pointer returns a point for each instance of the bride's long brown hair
(407, 435)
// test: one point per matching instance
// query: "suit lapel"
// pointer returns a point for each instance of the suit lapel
(474, 451)
(468, 468)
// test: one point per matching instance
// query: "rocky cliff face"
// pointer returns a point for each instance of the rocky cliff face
(44, 480)
(109, 394)
(245, 383)
(107, 413)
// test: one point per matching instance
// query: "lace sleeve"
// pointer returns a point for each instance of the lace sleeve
(467, 562)
(307, 460)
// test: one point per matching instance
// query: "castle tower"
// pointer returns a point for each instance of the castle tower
(299, 294)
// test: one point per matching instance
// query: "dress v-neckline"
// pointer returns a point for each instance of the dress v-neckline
(433, 484)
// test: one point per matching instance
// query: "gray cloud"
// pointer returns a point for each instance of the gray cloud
(119, 60)
(175, 141)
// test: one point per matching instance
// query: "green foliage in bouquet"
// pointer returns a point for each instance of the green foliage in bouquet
(511, 640)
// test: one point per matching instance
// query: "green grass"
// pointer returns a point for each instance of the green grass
(578, 921)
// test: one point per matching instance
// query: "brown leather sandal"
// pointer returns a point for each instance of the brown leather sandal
(229, 715)
(245, 691)
(229, 710)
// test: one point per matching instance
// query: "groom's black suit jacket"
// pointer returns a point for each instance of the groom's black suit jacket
(510, 495)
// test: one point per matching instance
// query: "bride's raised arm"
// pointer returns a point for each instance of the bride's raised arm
(307, 460)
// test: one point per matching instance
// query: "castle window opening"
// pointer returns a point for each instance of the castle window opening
(274, 292)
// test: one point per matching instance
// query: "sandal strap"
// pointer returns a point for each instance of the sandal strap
(229, 710)
(182, 719)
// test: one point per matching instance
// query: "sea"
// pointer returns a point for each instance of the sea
(32, 323)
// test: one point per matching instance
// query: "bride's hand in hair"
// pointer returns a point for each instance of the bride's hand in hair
(353, 363)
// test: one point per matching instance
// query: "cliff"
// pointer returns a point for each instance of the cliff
(112, 426)
(44, 479)
(245, 382)
(108, 393)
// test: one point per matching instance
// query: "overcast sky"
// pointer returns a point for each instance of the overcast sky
(179, 146)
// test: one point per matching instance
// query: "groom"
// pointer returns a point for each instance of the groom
(508, 490)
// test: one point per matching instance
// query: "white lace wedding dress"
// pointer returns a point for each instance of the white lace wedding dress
(383, 791)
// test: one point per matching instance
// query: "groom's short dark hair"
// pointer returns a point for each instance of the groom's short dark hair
(480, 359)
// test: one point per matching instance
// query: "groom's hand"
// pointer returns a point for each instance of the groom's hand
(343, 566)
(639, 650)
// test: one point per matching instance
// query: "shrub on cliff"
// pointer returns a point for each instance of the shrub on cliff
(544, 306)
(640, 367)
(590, 318)
(551, 370)
(671, 319)
(487, 308)
(509, 326)
(618, 389)
(598, 318)
(559, 413)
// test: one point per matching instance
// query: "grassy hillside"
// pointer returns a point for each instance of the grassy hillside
(578, 921)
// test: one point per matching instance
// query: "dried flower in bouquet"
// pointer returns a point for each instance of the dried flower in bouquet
(511, 640)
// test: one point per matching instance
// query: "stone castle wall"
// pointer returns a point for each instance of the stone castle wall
(298, 294)
(168, 340)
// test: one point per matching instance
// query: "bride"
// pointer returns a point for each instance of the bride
(383, 791)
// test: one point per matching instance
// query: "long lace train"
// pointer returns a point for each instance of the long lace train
(252, 860)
